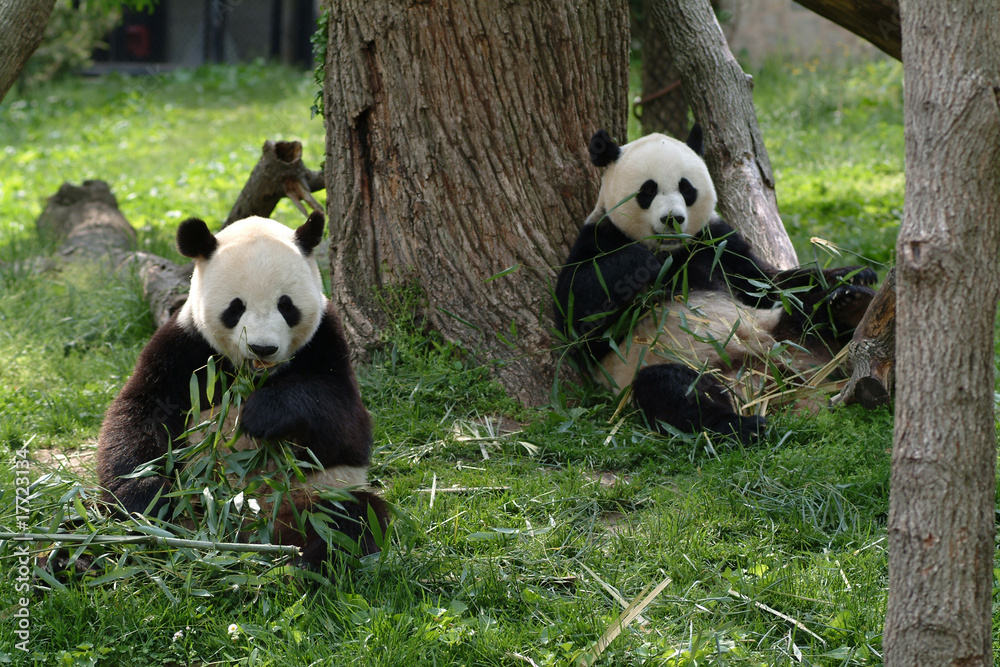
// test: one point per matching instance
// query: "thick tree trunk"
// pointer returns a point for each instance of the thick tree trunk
(874, 20)
(942, 506)
(22, 26)
(719, 93)
(456, 149)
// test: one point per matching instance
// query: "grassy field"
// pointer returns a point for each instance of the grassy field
(773, 555)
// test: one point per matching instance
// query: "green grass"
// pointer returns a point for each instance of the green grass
(836, 146)
(480, 577)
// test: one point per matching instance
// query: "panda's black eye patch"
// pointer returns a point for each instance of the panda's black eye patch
(648, 190)
(232, 314)
(289, 310)
(688, 191)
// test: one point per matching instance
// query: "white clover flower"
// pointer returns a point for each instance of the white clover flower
(234, 631)
(179, 635)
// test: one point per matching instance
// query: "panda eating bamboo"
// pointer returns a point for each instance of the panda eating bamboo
(256, 304)
(660, 294)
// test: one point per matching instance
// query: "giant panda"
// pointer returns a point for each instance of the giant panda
(660, 294)
(256, 302)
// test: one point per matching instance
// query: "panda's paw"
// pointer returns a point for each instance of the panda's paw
(751, 429)
(853, 275)
(747, 430)
(848, 304)
(263, 418)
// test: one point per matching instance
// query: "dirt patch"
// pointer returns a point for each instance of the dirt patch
(80, 462)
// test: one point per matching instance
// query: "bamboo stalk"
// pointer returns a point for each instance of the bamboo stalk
(152, 540)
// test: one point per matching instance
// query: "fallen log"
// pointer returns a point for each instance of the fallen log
(88, 226)
(84, 221)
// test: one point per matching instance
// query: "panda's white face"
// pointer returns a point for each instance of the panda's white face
(671, 186)
(257, 297)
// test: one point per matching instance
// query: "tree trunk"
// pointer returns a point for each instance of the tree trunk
(22, 26)
(720, 95)
(942, 506)
(456, 149)
(874, 20)
(663, 107)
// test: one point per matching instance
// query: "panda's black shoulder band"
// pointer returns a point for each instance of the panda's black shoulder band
(603, 149)
(194, 240)
(310, 233)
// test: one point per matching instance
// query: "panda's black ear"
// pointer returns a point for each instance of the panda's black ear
(310, 233)
(694, 140)
(194, 240)
(603, 149)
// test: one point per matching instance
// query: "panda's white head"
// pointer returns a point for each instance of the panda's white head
(256, 292)
(667, 181)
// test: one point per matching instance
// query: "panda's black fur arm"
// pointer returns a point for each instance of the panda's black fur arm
(150, 410)
(739, 271)
(734, 269)
(314, 400)
(605, 271)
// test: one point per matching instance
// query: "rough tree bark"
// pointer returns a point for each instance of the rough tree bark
(871, 354)
(22, 26)
(720, 96)
(278, 173)
(874, 20)
(942, 506)
(457, 148)
(663, 107)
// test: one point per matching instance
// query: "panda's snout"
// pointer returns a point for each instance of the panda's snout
(672, 218)
(262, 351)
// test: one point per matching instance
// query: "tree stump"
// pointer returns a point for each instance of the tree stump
(85, 219)
(278, 173)
(86, 222)
(871, 354)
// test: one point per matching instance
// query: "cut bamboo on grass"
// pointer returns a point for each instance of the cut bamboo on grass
(613, 592)
(151, 540)
(763, 607)
(631, 613)
(434, 490)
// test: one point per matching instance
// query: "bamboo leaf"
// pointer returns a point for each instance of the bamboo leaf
(508, 270)
(460, 319)
(116, 574)
(210, 381)
(600, 279)
(195, 395)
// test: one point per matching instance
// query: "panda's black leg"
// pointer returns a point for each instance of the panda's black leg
(690, 401)
(351, 519)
